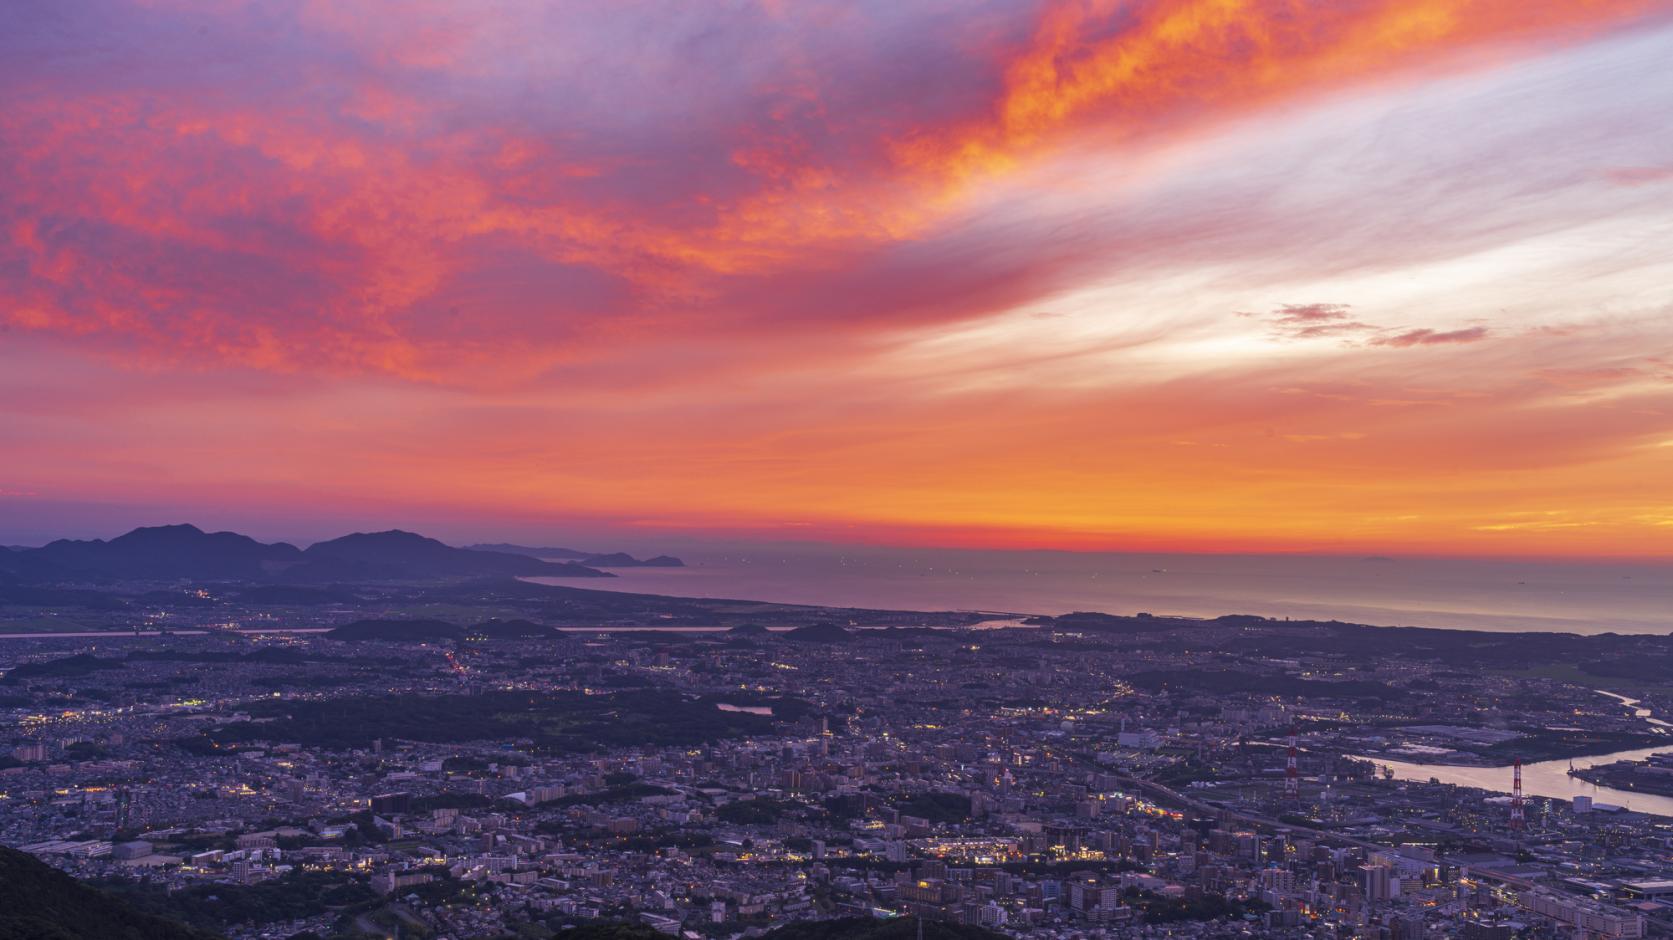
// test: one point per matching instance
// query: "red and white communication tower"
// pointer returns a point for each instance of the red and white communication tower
(1517, 819)
(1292, 776)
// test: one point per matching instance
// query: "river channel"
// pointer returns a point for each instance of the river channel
(1550, 778)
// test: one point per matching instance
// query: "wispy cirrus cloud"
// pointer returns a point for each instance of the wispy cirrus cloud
(1325, 321)
(1311, 321)
(1427, 337)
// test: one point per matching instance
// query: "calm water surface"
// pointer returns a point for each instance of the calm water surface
(1546, 778)
(1473, 594)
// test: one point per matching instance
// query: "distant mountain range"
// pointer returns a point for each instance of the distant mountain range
(590, 559)
(163, 552)
(397, 555)
(186, 552)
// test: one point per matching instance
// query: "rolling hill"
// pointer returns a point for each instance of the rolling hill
(39, 902)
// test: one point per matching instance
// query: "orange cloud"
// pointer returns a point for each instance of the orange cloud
(871, 277)
(1142, 68)
(363, 196)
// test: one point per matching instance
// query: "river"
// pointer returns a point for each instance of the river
(1550, 778)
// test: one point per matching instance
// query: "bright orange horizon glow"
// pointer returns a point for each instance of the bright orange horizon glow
(1368, 276)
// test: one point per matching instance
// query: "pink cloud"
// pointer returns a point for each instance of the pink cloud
(1429, 337)
(1639, 175)
(424, 191)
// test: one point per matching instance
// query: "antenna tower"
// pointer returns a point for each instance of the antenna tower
(1292, 777)
(1517, 818)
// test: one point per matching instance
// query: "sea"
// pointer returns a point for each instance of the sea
(1477, 594)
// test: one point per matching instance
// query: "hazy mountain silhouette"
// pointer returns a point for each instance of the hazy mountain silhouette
(165, 553)
(398, 555)
(186, 552)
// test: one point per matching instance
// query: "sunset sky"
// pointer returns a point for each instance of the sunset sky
(1198, 275)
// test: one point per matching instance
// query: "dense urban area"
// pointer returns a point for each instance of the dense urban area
(413, 740)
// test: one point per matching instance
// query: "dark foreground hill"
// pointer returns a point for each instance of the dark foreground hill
(38, 902)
